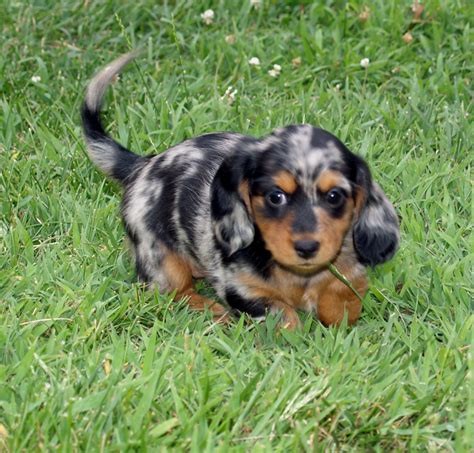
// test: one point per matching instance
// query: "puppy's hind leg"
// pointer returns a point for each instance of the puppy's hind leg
(179, 274)
(171, 271)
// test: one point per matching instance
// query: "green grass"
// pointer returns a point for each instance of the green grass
(90, 362)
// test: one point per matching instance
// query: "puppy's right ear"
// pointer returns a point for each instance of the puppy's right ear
(376, 231)
(231, 219)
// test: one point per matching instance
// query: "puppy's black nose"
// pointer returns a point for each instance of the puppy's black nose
(306, 249)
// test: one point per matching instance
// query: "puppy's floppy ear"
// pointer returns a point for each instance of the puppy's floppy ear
(231, 219)
(375, 232)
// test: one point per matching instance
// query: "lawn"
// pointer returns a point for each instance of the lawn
(91, 362)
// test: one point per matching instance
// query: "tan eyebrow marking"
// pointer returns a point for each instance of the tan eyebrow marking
(330, 179)
(285, 181)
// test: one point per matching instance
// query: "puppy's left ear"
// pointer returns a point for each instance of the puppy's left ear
(230, 212)
(376, 231)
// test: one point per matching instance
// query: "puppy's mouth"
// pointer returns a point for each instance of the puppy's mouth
(303, 269)
(308, 265)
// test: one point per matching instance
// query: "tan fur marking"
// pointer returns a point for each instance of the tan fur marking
(290, 286)
(285, 181)
(285, 301)
(179, 274)
(331, 231)
(337, 298)
(200, 303)
(332, 298)
(328, 180)
(360, 198)
(276, 232)
(245, 194)
(178, 271)
(257, 287)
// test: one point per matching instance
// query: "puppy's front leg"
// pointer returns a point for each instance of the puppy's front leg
(336, 298)
(257, 297)
(290, 319)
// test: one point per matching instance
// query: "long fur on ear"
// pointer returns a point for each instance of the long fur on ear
(375, 232)
(232, 222)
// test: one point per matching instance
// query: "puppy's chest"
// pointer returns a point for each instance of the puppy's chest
(300, 292)
(293, 290)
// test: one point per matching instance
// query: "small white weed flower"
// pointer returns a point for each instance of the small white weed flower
(230, 39)
(255, 3)
(407, 38)
(254, 61)
(364, 63)
(229, 95)
(36, 79)
(296, 62)
(364, 16)
(208, 16)
(275, 72)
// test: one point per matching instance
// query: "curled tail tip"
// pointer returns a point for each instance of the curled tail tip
(111, 157)
(98, 85)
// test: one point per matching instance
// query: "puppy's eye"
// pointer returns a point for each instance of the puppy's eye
(335, 197)
(277, 198)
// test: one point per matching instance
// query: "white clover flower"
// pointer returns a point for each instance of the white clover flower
(407, 38)
(229, 95)
(208, 16)
(296, 62)
(36, 79)
(255, 3)
(364, 63)
(364, 16)
(275, 72)
(254, 61)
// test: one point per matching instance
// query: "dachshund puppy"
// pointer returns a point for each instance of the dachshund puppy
(260, 218)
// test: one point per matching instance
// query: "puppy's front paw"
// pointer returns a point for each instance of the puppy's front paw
(290, 320)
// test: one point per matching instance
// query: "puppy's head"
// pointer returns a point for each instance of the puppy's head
(305, 192)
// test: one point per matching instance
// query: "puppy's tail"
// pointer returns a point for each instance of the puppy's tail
(111, 157)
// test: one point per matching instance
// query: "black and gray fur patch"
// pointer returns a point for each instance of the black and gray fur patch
(255, 307)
